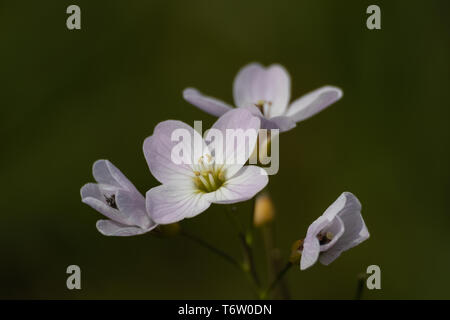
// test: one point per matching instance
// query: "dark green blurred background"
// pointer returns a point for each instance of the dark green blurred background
(71, 97)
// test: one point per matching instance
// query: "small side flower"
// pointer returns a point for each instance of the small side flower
(341, 227)
(266, 92)
(116, 198)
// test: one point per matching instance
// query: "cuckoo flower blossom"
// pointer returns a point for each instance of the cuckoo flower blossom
(340, 228)
(267, 91)
(207, 172)
(116, 197)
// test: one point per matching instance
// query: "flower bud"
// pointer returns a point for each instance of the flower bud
(264, 210)
(296, 251)
(168, 230)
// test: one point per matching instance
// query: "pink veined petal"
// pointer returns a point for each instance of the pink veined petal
(106, 210)
(254, 83)
(105, 172)
(132, 205)
(169, 204)
(254, 111)
(244, 82)
(243, 186)
(337, 206)
(159, 150)
(310, 252)
(355, 229)
(265, 123)
(93, 195)
(91, 190)
(313, 102)
(278, 85)
(282, 123)
(111, 228)
(239, 130)
(208, 104)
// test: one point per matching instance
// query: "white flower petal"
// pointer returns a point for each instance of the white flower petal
(278, 85)
(254, 83)
(106, 210)
(281, 122)
(106, 173)
(208, 104)
(158, 151)
(243, 186)
(91, 190)
(169, 204)
(244, 82)
(310, 252)
(133, 206)
(239, 129)
(313, 102)
(337, 206)
(111, 228)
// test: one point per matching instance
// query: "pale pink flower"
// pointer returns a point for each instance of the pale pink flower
(340, 228)
(116, 197)
(267, 91)
(190, 187)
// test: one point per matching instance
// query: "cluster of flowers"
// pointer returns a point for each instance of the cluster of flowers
(262, 98)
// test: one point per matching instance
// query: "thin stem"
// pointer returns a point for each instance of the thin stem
(211, 248)
(248, 252)
(278, 278)
(234, 221)
(274, 263)
(249, 258)
(360, 286)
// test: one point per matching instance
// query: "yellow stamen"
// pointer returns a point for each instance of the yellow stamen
(211, 181)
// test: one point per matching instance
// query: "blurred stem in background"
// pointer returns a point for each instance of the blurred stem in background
(242, 267)
(211, 248)
(173, 229)
(263, 218)
(362, 277)
(278, 279)
(246, 241)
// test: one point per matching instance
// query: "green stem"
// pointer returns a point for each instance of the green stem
(274, 262)
(211, 248)
(277, 279)
(360, 286)
(250, 267)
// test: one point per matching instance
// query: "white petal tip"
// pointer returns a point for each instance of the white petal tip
(304, 266)
(189, 92)
(338, 91)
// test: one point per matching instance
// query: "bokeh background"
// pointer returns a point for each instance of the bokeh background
(71, 97)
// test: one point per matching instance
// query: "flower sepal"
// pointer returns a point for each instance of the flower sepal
(167, 230)
(296, 252)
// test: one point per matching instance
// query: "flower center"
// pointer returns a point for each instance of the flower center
(325, 238)
(111, 201)
(263, 106)
(208, 175)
